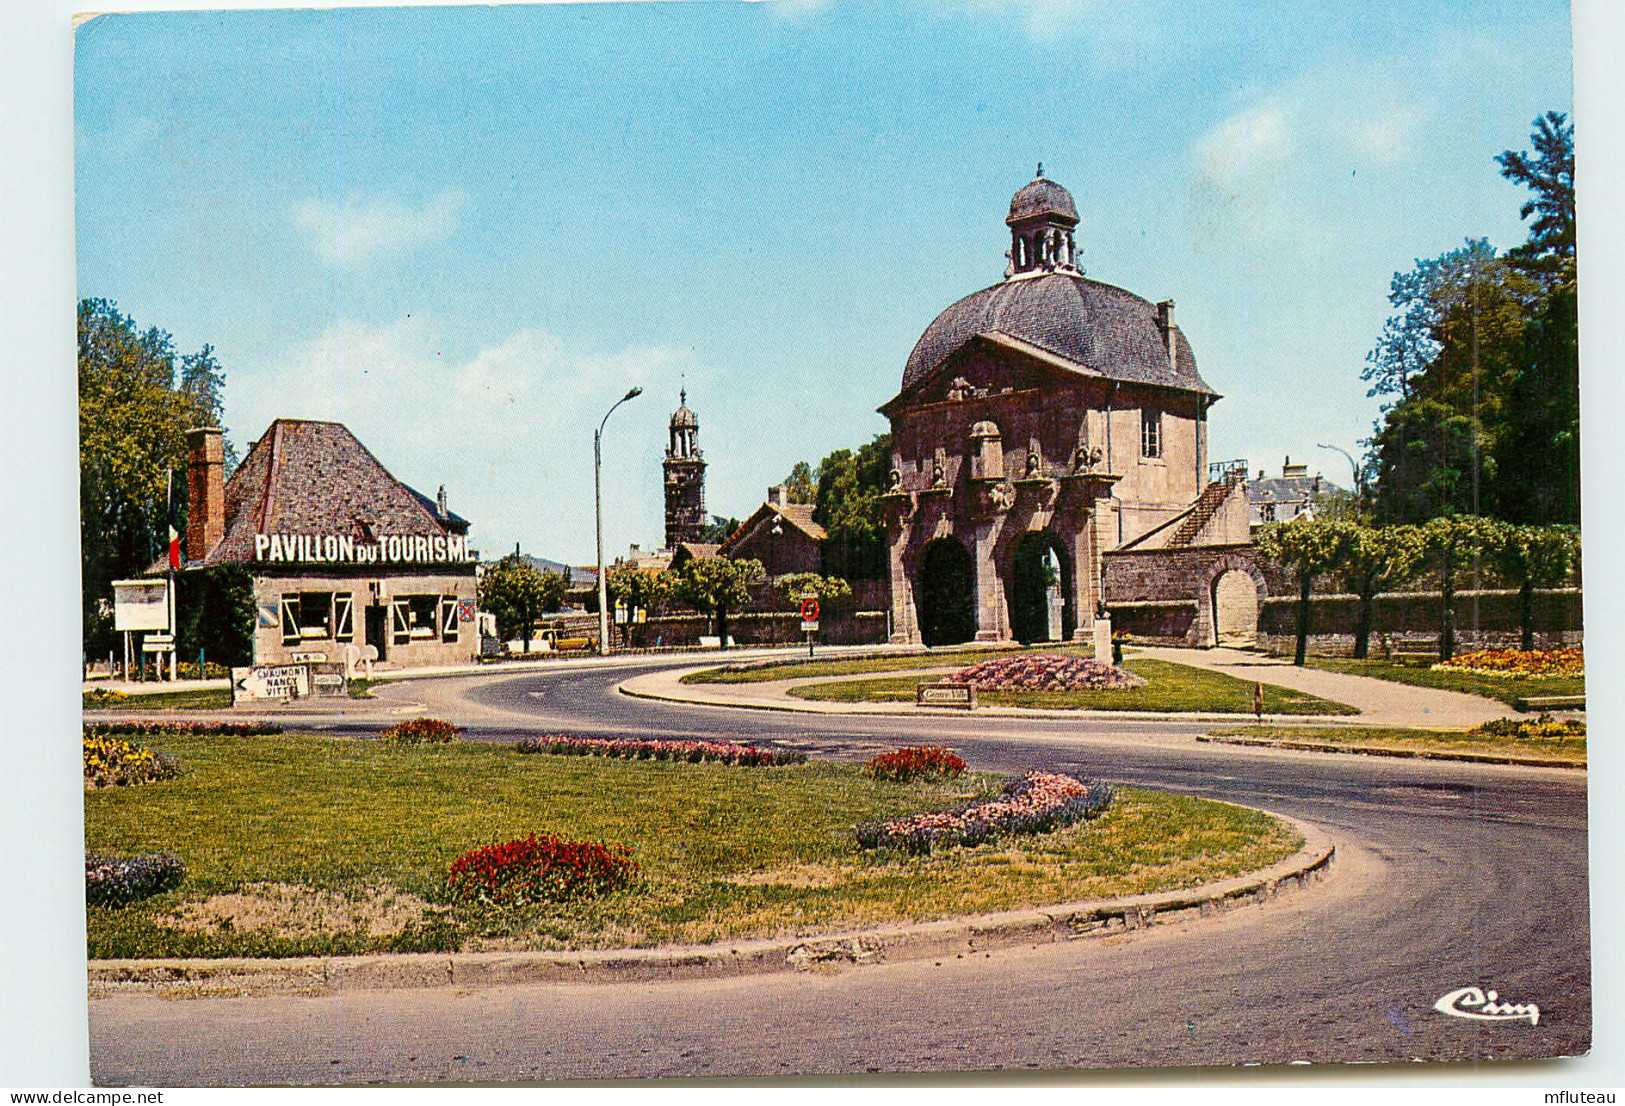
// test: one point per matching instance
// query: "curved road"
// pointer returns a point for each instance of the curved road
(1449, 875)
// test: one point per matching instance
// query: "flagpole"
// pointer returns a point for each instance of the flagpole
(174, 650)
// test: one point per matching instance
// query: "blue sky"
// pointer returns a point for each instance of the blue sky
(466, 231)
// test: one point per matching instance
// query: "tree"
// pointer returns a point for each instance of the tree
(1530, 557)
(1308, 547)
(720, 530)
(714, 586)
(1448, 539)
(215, 614)
(1378, 559)
(204, 380)
(132, 436)
(1550, 175)
(1481, 356)
(799, 486)
(637, 589)
(801, 585)
(516, 592)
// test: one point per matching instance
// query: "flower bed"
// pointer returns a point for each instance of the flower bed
(111, 881)
(420, 731)
(539, 868)
(114, 762)
(1044, 672)
(1515, 662)
(727, 752)
(1036, 803)
(917, 762)
(103, 697)
(147, 727)
(1544, 728)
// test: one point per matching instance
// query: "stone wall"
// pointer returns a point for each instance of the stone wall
(1409, 621)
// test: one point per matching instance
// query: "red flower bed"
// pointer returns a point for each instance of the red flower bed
(917, 762)
(1516, 662)
(727, 752)
(539, 868)
(421, 731)
(1044, 672)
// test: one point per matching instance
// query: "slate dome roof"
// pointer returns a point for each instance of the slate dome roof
(1042, 197)
(1099, 326)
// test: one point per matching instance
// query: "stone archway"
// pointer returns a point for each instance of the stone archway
(945, 593)
(1039, 574)
(1235, 609)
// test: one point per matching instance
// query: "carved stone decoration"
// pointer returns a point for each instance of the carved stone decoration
(939, 476)
(958, 389)
(1086, 458)
(1035, 461)
(1001, 497)
(894, 482)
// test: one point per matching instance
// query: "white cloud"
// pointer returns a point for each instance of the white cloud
(357, 230)
(508, 428)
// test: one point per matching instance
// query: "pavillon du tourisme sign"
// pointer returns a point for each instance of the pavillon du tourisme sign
(347, 550)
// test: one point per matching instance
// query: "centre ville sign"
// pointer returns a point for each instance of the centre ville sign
(345, 549)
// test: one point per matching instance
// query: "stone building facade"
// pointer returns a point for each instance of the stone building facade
(341, 554)
(780, 534)
(684, 469)
(1041, 423)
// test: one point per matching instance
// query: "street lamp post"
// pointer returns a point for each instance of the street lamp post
(598, 512)
(1359, 484)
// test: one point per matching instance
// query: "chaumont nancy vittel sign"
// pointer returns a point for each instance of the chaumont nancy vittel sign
(346, 549)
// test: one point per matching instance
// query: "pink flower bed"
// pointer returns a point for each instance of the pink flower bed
(1044, 672)
(1036, 803)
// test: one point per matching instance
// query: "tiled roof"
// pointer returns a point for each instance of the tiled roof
(305, 477)
(1100, 327)
(798, 515)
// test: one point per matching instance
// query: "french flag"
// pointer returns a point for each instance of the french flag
(174, 533)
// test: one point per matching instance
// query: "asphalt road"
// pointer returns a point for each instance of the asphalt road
(1449, 875)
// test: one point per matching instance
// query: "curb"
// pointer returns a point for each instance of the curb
(1378, 751)
(983, 933)
(984, 712)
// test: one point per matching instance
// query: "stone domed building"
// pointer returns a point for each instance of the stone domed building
(1041, 423)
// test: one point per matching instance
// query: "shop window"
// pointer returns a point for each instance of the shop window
(448, 618)
(413, 618)
(344, 617)
(1150, 433)
(307, 616)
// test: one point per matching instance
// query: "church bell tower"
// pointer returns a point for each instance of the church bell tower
(685, 478)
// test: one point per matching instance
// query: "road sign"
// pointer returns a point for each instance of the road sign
(140, 604)
(808, 625)
(809, 611)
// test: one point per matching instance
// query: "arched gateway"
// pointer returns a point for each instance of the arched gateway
(1041, 421)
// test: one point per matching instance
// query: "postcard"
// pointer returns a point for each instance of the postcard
(809, 539)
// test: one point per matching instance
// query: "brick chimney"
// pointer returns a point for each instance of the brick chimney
(206, 490)
(778, 496)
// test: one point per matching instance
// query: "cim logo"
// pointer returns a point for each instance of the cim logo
(1477, 1004)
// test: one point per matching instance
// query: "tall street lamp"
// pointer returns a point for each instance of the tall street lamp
(598, 511)
(1359, 484)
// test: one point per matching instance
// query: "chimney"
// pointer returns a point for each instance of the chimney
(777, 496)
(1165, 323)
(440, 502)
(205, 490)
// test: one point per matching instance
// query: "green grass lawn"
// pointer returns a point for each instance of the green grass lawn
(302, 845)
(853, 666)
(208, 698)
(1571, 749)
(1505, 688)
(1171, 687)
